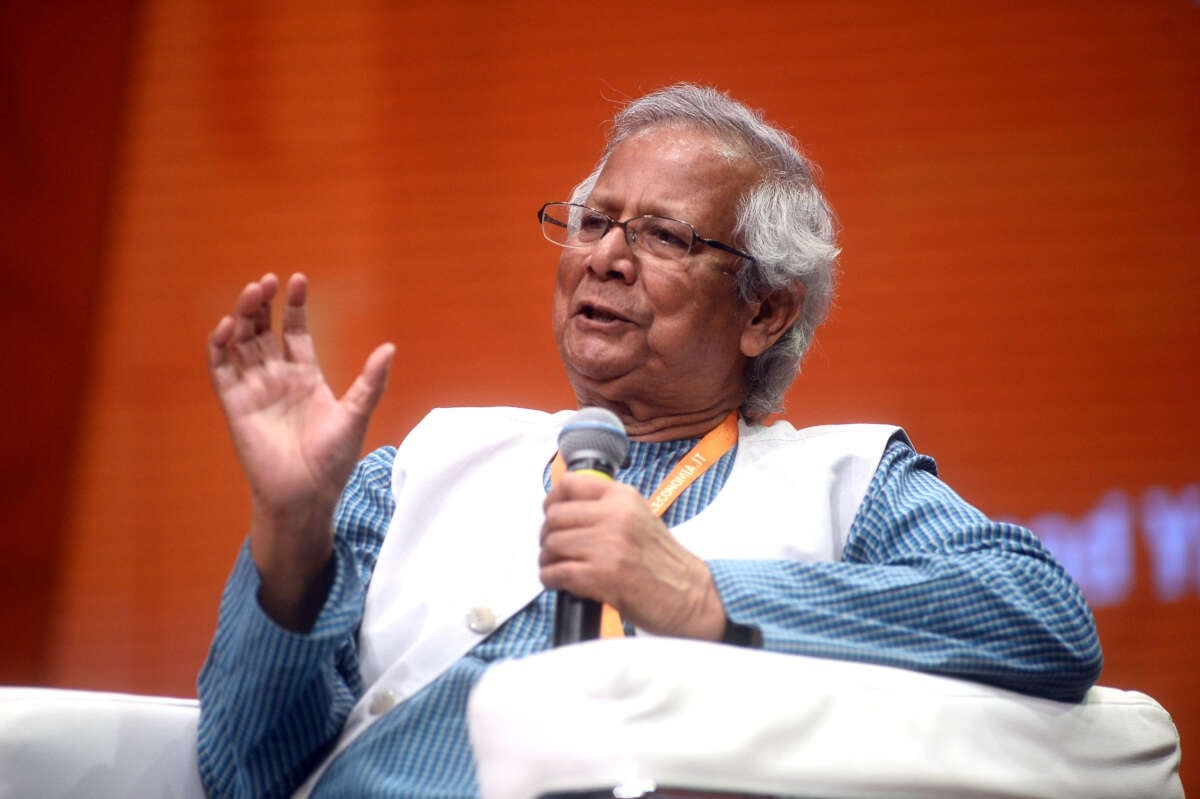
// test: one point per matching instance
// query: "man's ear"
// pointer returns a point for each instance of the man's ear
(773, 315)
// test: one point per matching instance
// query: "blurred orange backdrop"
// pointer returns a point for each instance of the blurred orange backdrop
(1017, 186)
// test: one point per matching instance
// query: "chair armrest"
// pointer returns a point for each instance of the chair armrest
(60, 743)
(707, 717)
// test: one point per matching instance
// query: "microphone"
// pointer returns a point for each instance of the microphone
(593, 440)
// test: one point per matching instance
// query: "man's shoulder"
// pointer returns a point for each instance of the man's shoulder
(472, 423)
(465, 430)
(843, 449)
(492, 416)
(782, 432)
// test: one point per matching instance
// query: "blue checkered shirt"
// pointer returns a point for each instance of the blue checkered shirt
(926, 582)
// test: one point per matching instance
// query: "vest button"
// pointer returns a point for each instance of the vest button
(481, 620)
(382, 703)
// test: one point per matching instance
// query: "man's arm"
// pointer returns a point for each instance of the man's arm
(272, 700)
(927, 582)
(281, 674)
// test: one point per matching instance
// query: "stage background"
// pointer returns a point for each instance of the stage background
(1017, 185)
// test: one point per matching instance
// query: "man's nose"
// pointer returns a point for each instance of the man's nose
(613, 256)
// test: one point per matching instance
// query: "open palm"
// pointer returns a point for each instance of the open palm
(296, 441)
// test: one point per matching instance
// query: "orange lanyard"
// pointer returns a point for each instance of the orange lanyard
(702, 457)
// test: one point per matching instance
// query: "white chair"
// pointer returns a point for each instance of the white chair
(642, 713)
(58, 744)
(621, 718)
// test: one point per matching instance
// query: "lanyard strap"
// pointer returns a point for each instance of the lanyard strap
(702, 457)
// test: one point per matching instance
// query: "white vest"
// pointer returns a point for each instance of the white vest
(460, 556)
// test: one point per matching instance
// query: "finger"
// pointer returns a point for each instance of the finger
(220, 336)
(297, 342)
(252, 338)
(563, 576)
(363, 395)
(578, 578)
(244, 310)
(566, 516)
(252, 312)
(589, 537)
(221, 368)
(568, 546)
(577, 486)
(270, 285)
(295, 315)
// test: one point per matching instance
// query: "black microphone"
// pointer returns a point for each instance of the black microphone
(593, 440)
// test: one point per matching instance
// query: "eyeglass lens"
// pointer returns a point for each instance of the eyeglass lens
(570, 225)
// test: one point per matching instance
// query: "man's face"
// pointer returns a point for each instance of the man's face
(649, 337)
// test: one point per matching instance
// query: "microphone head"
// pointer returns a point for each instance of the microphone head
(594, 438)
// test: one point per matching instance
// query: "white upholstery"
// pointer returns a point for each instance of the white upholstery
(702, 716)
(57, 744)
(678, 713)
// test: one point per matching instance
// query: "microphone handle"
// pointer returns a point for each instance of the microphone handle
(575, 619)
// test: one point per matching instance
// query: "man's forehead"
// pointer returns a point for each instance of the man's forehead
(688, 140)
(671, 168)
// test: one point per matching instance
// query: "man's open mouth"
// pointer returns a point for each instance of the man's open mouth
(597, 314)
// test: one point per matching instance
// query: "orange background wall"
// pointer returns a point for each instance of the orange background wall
(1020, 286)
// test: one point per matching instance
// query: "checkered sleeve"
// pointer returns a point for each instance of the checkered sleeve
(272, 701)
(926, 582)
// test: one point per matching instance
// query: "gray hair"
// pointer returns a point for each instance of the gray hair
(783, 221)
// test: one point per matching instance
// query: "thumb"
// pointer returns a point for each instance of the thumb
(364, 394)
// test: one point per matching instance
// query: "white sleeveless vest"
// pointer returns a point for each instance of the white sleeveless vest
(460, 556)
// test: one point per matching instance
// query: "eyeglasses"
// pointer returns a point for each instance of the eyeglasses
(575, 225)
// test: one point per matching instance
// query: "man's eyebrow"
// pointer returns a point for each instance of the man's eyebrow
(608, 205)
(598, 201)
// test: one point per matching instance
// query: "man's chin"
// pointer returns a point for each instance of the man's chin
(596, 368)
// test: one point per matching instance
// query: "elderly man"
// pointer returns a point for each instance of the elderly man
(696, 263)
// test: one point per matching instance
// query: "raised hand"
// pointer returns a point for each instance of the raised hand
(296, 441)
